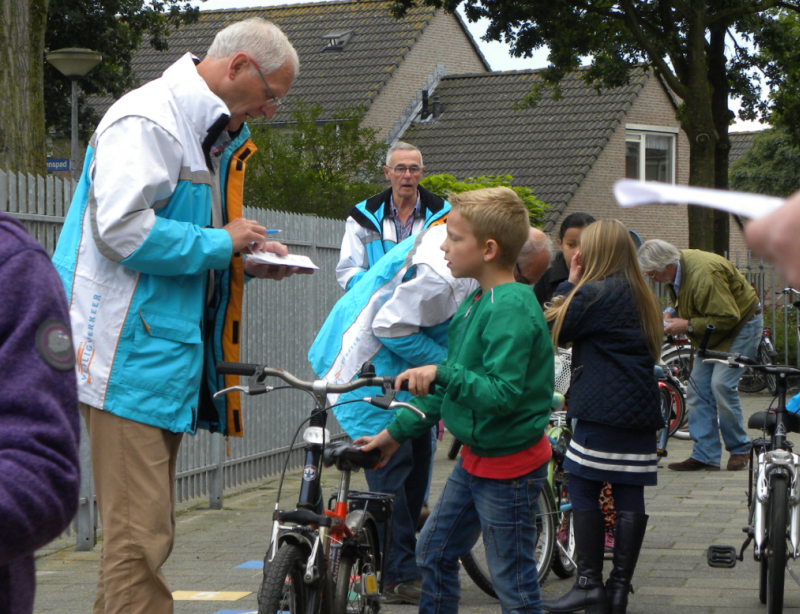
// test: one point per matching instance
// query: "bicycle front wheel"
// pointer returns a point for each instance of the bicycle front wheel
(776, 542)
(283, 589)
(683, 359)
(475, 564)
(357, 568)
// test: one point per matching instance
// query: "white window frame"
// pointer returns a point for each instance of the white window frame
(637, 133)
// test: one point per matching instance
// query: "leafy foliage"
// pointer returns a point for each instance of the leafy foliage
(115, 28)
(770, 165)
(447, 184)
(320, 167)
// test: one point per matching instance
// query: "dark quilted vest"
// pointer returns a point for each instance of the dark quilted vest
(612, 370)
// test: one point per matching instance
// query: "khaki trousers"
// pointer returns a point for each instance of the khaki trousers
(134, 479)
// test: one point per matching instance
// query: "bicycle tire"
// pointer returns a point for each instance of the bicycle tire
(563, 567)
(455, 448)
(755, 381)
(676, 406)
(283, 588)
(349, 595)
(776, 540)
(765, 359)
(683, 358)
(474, 561)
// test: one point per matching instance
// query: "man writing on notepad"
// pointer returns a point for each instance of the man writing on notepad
(153, 259)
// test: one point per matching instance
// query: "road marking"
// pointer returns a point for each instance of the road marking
(251, 565)
(208, 595)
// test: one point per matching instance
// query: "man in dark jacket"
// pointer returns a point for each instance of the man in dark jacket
(39, 428)
(707, 289)
(377, 224)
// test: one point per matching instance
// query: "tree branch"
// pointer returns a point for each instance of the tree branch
(730, 15)
(632, 21)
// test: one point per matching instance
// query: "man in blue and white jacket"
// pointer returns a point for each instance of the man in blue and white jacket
(374, 226)
(151, 259)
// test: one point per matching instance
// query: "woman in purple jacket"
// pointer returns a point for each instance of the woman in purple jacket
(39, 428)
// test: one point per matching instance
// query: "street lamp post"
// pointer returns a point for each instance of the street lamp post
(74, 63)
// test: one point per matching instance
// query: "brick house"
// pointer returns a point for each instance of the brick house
(352, 52)
(570, 151)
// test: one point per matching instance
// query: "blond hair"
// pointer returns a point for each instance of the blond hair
(607, 249)
(497, 214)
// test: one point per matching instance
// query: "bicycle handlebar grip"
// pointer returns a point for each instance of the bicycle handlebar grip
(237, 368)
(431, 388)
(706, 338)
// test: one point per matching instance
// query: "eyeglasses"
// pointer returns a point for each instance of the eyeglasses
(273, 99)
(651, 274)
(402, 169)
(521, 278)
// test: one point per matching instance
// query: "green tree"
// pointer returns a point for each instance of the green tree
(115, 28)
(693, 45)
(315, 166)
(22, 139)
(447, 184)
(770, 166)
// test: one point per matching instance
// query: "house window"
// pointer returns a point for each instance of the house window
(650, 156)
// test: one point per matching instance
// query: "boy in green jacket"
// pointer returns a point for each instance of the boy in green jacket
(493, 392)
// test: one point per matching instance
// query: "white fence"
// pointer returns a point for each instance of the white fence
(280, 321)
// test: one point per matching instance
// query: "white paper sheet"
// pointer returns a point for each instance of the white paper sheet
(631, 193)
(304, 262)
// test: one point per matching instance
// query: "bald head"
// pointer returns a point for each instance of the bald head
(534, 258)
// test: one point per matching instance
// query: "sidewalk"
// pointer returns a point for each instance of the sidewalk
(688, 512)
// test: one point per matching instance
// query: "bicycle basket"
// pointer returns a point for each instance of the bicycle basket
(564, 373)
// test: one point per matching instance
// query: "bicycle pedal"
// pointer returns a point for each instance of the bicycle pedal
(370, 584)
(721, 556)
(661, 453)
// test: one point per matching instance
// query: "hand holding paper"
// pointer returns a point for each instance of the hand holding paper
(273, 261)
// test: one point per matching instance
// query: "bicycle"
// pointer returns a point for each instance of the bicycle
(322, 561)
(773, 489)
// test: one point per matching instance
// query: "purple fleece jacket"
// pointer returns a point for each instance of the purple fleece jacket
(39, 428)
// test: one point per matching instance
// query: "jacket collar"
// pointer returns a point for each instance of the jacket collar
(201, 106)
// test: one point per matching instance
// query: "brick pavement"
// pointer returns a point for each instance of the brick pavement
(688, 511)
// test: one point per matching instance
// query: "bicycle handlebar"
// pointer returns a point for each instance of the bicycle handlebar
(740, 361)
(261, 372)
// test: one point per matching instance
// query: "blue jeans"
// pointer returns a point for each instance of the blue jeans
(406, 477)
(713, 401)
(505, 511)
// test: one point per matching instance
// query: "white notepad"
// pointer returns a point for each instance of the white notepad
(304, 262)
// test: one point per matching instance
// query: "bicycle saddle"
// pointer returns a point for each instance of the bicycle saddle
(346, 457)
(765, 420)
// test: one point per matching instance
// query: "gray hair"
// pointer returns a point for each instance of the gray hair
(657, 255)
(532, 247)
(261, 39)
(402, 145)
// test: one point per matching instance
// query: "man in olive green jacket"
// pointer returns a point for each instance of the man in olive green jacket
(707, 289)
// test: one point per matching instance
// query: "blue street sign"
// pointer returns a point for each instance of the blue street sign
(57, 164)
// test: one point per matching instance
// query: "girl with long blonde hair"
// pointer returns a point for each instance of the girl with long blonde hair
(613, 320)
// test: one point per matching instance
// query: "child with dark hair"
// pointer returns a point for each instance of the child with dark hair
(568, 243)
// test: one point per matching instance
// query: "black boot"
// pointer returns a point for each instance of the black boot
(628, 539)
(588, 592)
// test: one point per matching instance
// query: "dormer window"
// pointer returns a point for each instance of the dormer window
(337, 40)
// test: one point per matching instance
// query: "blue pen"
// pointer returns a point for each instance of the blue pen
(273, 232)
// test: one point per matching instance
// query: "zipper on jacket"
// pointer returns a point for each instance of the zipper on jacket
(146, 326)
